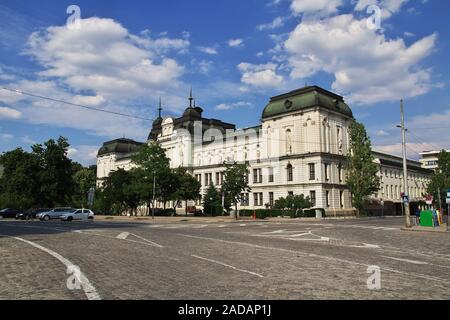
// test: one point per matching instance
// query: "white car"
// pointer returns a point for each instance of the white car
(79, 214)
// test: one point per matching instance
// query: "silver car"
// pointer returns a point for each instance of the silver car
(79, 214)
(53, 214)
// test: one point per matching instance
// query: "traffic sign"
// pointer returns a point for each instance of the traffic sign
(448, 196)
(405, 199)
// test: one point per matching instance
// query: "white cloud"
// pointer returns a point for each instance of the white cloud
(230, 106)
(321, 7)
(236, 42)
(101, 65)
(263, 75)
(367, 66)
(388, 7)
(382, 133)
(9, 113)
(102, 56)
(278, 22)
(6, 136)
(208, 50)
(83, 154)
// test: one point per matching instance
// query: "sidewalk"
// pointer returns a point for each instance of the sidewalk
(440, 229)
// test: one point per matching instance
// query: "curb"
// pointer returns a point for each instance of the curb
(426, 231)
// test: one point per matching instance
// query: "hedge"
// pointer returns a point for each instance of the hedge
(273, 213)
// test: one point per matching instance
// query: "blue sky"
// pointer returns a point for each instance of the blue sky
(235, 55)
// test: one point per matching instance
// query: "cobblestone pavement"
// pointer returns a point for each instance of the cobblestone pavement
(326, 259)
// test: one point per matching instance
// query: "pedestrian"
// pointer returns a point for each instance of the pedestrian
(416, 217)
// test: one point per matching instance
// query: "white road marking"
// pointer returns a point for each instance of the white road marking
(364, 245)
(146, 240)
(221, 226)
(200, 226)
(242, 225)
(313, 255)
(228, 266)
(89, 290)
(407, 260)
(123, 235)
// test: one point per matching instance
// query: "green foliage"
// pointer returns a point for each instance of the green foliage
(188, 188)
(152, 166)
(212, 201)
(274, 213)
(362, 178)
(19, 184)
(293, 202)
(441, 180)
(56, 172)
(85, 179)
(236, 182)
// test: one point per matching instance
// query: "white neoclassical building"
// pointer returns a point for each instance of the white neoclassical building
(298, 148)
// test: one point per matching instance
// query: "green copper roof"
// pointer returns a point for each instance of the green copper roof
(123, 146)
(305, 98)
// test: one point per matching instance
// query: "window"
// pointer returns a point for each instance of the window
(217, 178)
(270, 174)
(199, 178)
(271, 199)
(312, 171)
(257, 175)
(288, 141)
(208, 179)
(244, 199)
(327, 198)
(290, 193)
(255, 199)
(312, 197)
(341, 199)
(290, 173)
(326, 166)
(340, 172)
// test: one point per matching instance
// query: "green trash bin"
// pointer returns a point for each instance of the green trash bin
(426, 219)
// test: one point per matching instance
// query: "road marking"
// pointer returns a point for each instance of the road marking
(146, 240)
(242, 225)
(89, 290)
(313, 255)
(123, 235)
(407, 260)
(228, 266)
(200, 226)
(365, 245)
(221, 226)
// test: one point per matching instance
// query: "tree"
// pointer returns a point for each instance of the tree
(119, 191)
(293, 202)
(362, 178)
(85, 179)
(236, 182)
(19, 183)
(56, 173)
(189, 188)
(212, 202)
(152, 166)
(440, 182)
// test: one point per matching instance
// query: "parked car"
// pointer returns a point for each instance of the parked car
(31, 213)
(9, 213)
(54, 214)
(79, 214)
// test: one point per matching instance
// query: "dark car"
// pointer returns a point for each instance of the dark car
(31, 213)
(9, 213)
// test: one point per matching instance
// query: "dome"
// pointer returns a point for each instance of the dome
(306, 98)
(192, 113)
(157, 122)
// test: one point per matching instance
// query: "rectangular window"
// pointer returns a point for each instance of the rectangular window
(341, 199)
(326, 167)
(217, 178)
(312, 171)
(255, 199)
(257, 175)
(271, 174)
(340, 172)
(290, 193)
(271, 199)
(312, 197)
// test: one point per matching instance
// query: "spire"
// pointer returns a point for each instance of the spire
(195, 104)
(190, 99)
(160, 108)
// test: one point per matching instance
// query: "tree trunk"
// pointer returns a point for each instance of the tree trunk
(236, 210)
(185, 207)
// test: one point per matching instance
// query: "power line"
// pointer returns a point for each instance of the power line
(424, 143)
(74, 104)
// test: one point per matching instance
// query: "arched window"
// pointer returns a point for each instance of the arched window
(290, 172)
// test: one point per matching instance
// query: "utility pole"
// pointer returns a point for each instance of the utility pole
(154, 188)
(405, 169)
